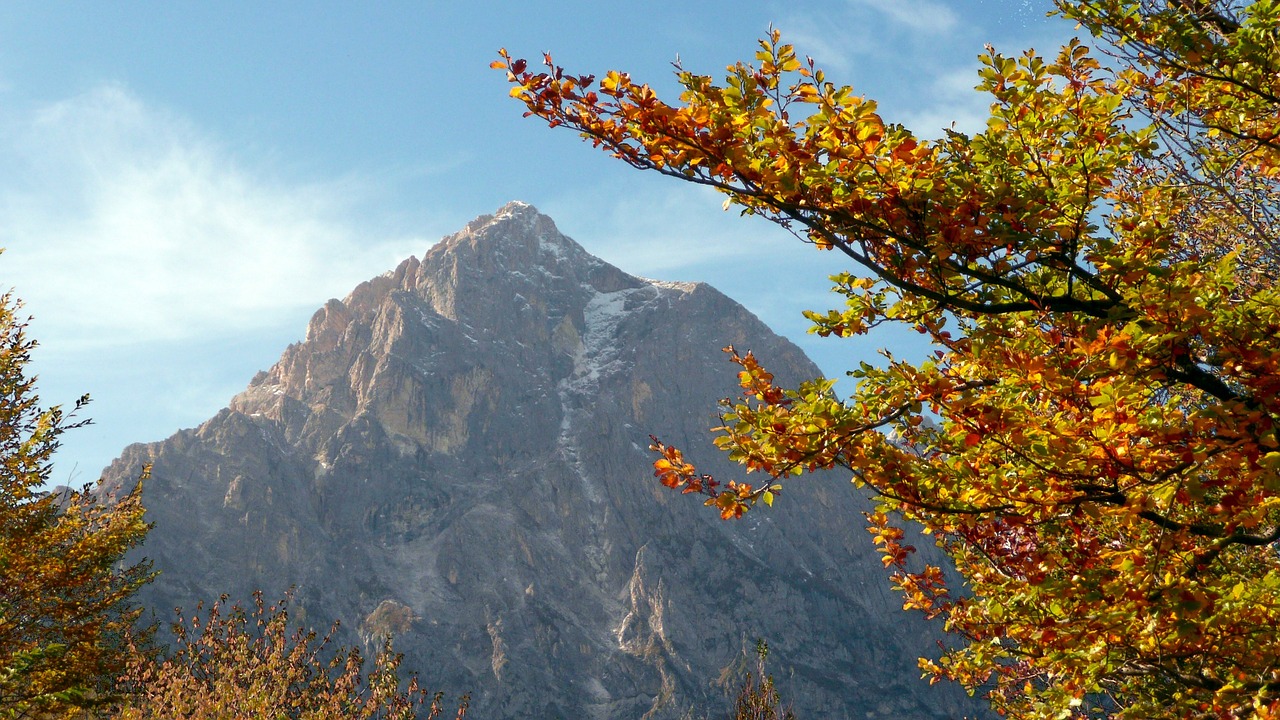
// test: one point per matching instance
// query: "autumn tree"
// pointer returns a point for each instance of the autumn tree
(63, 600)
(1093, 439)
(236, 664)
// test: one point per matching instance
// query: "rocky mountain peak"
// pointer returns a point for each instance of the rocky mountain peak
(519, 233)
(506, 284)
(456, 455)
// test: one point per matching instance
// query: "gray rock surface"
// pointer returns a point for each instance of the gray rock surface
(457, 456)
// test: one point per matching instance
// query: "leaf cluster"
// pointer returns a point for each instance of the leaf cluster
(233, 663)
(1094, 437)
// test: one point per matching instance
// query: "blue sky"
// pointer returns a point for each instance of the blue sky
(182, 184)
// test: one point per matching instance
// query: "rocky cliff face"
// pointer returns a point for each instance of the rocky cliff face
(456, 456)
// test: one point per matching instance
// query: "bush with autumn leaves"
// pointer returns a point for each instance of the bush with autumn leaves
(228, 662)
(1093, 439)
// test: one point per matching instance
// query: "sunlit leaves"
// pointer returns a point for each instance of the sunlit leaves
(1094, 438)
(236, 664)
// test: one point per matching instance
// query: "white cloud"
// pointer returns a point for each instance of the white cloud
(667, 230)
(655, 226)
(843, 34)
(835, 43)
(125, 223)
(950, 102)
(922, 16)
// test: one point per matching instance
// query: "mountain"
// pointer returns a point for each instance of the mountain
(457, 455)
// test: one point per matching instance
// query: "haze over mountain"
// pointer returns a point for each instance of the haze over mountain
(456, 455)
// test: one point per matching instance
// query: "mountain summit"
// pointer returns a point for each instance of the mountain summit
(456, 456)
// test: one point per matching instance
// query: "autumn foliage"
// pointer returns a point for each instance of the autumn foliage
(1094, 438)
(64, 603)
(227, 662)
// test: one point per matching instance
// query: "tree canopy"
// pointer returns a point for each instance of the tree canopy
(64, 602)
(1094, 438)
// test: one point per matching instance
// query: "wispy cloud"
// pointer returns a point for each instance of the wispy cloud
(833, 41)
(666, 230)
(126, 223)
(949, 102)
(844, 34)
(923, 16)
(663, 229)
